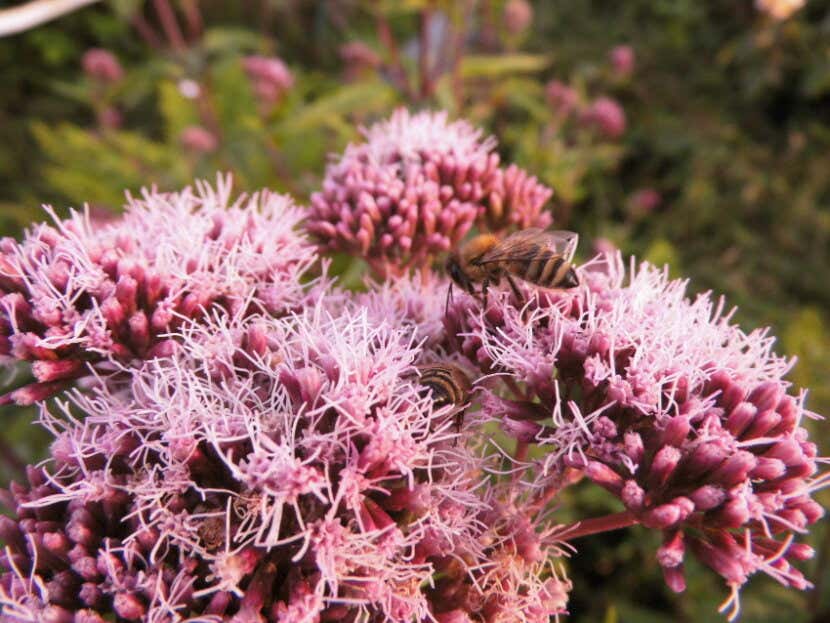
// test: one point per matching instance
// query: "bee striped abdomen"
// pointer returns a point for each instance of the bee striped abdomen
(447, 383)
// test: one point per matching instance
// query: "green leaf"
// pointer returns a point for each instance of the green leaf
(362, 96)
(177, 111)
(223, 41)
(494, 66)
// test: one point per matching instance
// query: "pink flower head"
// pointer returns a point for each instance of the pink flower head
(607, 116)
(271, 467)
(270, 77)
(411, 190)
(198, 140)
(102, 66)
(517, 199)
(518, 15)
(622, 60)
(415, 188)
(563, 98)
(79, 292)
(682, 415)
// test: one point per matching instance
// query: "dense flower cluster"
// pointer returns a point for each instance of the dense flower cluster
(287, 466)
(76, 292)
(249, 443)
(680, 414)
(414, 189)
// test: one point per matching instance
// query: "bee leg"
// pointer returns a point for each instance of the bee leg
(484, 290)
(515, 288)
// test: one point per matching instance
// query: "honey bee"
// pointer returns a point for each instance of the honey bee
(449, 385)
(541, 257)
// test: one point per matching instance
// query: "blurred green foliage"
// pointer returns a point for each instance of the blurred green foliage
(728, 120)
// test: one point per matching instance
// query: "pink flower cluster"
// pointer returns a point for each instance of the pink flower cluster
(680, 414)
(269, 76)
(604, 114)
(236, 439)
(414, 189)
(280, 469)
(75, 293)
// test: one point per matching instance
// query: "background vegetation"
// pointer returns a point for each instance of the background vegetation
(717, 166)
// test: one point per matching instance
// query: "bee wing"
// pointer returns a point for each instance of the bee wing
(525, 245)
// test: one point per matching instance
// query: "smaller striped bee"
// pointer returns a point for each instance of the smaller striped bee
(541, 257)
(448, 384)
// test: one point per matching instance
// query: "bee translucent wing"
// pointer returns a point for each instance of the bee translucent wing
(524, 245)
(565, 242)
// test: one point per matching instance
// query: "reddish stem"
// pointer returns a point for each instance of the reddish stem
(193, 16)
(168, 22)
(595, 525)
(146, 31)
(397, 70)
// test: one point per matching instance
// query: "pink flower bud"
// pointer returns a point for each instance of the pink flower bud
(604, 476)
(607, 116)
(522, 430)
(740, 418)
(671, 553)
(646, 200)
(46, 371)
(766, 396)
(198, 140)
(622, 59)
(632, 495)
(562, 98)
(676, 431)
(102, 66)
(128, 606)
(663, 465)
(735, 469)
(675, 578)
(518, 15)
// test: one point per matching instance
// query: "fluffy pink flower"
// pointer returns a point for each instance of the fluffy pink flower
(607, 116)
(680, 414)
(415, 188)
(270, 77)
(102, 66)
(412, 190)
(79, 292)
(287, 468)
(198, 140)
(622, 60)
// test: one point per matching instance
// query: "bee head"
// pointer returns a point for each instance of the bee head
(570, 280)
(455, 272)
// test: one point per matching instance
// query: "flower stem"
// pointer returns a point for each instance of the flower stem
(595, 525)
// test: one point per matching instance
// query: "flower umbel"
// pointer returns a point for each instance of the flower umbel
(680, 414)
(415, 188)
(77, 292)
